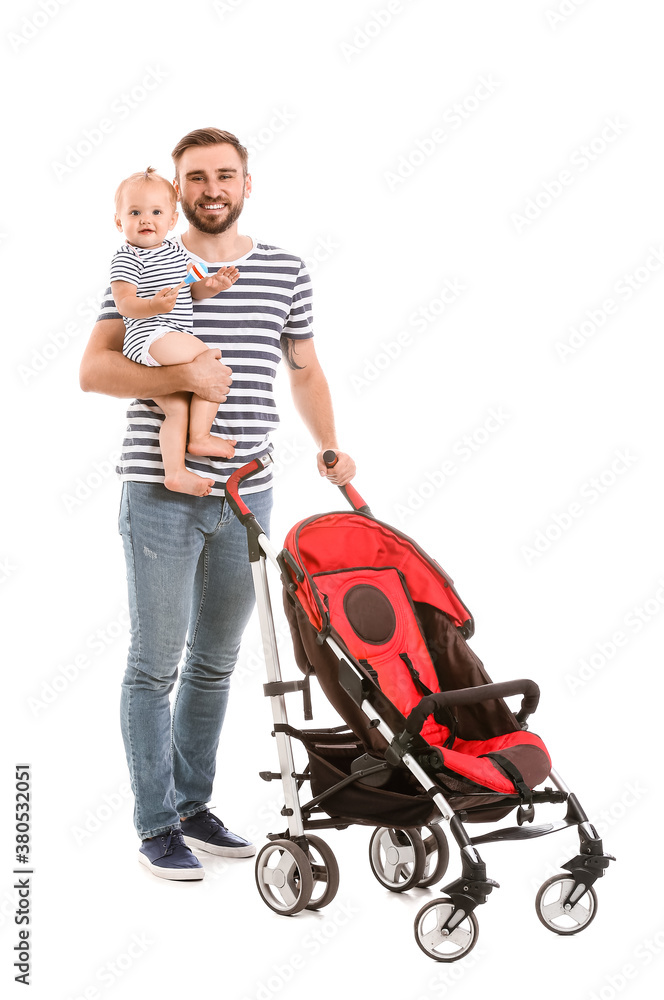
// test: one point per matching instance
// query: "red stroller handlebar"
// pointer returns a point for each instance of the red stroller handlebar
(240, 508)
(352, 496)
(238, 505)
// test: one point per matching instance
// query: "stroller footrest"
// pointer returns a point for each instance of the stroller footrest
(521, 832)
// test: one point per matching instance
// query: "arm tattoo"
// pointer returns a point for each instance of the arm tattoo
(288, 351)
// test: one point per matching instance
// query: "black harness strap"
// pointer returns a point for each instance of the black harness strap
(417, 680)
(525, 793)
(370, 670)
(450, 718)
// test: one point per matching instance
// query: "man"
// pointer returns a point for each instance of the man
(187, 567)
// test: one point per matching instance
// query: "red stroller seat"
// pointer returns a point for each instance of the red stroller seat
(373, 613)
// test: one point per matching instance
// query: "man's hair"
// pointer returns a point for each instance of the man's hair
(151, 175)
(209, 137)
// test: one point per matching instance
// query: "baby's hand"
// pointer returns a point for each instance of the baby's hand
(219, 282)
(164, 300)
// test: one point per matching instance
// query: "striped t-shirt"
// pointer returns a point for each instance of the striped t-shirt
(151, 269)
(270, 299)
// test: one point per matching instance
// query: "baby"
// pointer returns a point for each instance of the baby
(148, 278)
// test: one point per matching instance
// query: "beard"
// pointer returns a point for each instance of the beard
(211, 225)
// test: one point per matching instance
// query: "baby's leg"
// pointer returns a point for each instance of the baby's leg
(201, 416)
(176, 348)
(173, 443)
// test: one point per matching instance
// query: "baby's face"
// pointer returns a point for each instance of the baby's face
(145, 214)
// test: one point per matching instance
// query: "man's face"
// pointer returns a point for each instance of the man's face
(211, 187)
(145, 213)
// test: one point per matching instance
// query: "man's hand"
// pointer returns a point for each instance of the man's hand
(209, 378)
(343, 471)
(164, 300)
(104, 368)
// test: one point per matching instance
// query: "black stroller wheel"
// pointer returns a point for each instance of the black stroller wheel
(325, 873)
(434, 937)
(397, 857)
(284, 877)
(437, 855)
(558, 913)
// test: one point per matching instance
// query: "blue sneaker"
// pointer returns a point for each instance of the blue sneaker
(169, 857)
(205, 832)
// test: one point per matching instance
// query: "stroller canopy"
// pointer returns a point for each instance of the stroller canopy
(327, 543)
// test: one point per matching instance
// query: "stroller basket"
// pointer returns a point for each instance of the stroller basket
(428, 737)
(396, 801)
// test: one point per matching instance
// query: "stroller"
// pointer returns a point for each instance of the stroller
(427, 736)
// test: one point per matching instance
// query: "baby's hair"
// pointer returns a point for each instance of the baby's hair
(147, 175)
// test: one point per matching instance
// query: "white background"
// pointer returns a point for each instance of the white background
(335, 99)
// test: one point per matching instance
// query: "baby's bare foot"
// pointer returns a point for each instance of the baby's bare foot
(211, 446)
(188, 482)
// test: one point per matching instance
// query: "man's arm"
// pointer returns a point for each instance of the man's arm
(105, 369)
(311, 395)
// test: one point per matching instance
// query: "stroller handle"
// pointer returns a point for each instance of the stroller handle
(238, 506)
(242, 512)
(469, 696)
(352, 496)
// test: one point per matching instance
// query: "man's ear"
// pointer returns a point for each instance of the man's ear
(247, 185)
(177, 187)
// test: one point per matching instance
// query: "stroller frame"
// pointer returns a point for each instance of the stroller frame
(445, 929)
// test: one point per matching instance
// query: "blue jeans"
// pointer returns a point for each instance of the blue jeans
(189, 582)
